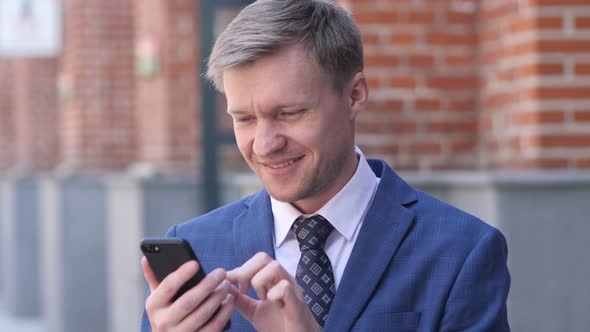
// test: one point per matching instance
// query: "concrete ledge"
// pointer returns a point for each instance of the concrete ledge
(499, 179)
(89, 230)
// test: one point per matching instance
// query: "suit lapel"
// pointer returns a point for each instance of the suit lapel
(382, 232)
(253, 229)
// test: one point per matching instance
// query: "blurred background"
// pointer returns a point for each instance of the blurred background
(109, 134)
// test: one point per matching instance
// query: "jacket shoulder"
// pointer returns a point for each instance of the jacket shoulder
(452, 225)
(218, 220)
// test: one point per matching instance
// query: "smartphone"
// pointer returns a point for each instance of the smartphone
(166, 255)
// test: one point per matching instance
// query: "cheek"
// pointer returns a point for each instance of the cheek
(243, 142)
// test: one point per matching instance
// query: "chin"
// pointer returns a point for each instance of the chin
(284, 195)
(280, 196)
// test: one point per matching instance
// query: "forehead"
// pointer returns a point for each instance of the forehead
(290, 73)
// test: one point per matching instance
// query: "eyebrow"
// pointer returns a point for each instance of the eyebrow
(294, 105)
(235, 112)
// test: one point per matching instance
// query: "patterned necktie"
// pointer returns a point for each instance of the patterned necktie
(314, 272)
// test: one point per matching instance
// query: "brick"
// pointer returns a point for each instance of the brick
(379, 60)
(423, 148)
(549, 22)
(421, 61)
(558, 2)
(376, 17)
(582, 116)
(532, 23)
(426, 16)
(532, 118)
(564, 46)
(582, 69)
(548, 163)
(374, 82)
(520, 49)
(558, 92)
(423, 104)
(391, 105)
(370, 127)
(561, 140)
(491, 33)
(499, 99)
(403, 126)
(522, 24)
(515, 143)
(503, 10)
(458, 17)
(541, 69)
(402, 82)
(382, 150)
(403, 38)
(468, 105)
(463, 147)
(370, 38)
(453, 127)
(453, 82)
(583, 163)
(452, 39)
(583, 22)
(460, 60)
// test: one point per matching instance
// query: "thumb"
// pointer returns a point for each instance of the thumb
(149, 275)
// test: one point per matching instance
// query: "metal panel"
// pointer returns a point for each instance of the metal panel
(212, 137)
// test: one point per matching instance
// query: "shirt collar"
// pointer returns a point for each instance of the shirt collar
(344, 211)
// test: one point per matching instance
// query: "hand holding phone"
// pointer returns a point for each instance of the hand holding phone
(168, 255)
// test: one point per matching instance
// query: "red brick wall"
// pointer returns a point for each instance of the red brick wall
(35, 114)
(98, 122)
(455, 84)
(535, 93)
(7, 132)
(167, 110)
(421, 63)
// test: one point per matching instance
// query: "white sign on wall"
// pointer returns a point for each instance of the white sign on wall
(30, 28)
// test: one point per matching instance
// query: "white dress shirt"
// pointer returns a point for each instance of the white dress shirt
(345, 211)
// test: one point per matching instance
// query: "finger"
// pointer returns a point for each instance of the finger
(224, 314)
(245, 305)
(289, 296)
(244, 274)
(204, 312)
(148, 274)
(197, 295)
(279, 292)
(267, 278)
(163, 293)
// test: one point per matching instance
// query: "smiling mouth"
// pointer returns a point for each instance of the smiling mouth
(281, 165)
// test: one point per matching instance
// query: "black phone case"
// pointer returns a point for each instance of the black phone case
(171, 253)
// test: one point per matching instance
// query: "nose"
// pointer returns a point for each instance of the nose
(268, 139)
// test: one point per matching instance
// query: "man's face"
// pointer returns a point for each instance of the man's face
(293, 128)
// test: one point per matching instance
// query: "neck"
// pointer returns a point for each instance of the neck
(317, 201)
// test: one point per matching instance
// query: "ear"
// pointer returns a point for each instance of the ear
(358, 93)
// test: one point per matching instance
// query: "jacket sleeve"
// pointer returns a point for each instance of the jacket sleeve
(477, 299)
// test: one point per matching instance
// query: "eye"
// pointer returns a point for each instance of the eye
(243, 119)
(292, 114)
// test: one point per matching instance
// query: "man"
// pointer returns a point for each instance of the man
(333, 242)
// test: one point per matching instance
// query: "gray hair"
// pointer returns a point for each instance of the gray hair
(324, 29)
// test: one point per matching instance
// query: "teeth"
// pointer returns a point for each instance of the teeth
(283, 164)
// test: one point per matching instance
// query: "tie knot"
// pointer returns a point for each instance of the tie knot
(312, 232)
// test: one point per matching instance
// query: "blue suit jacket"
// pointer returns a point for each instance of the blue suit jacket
(418, 264)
